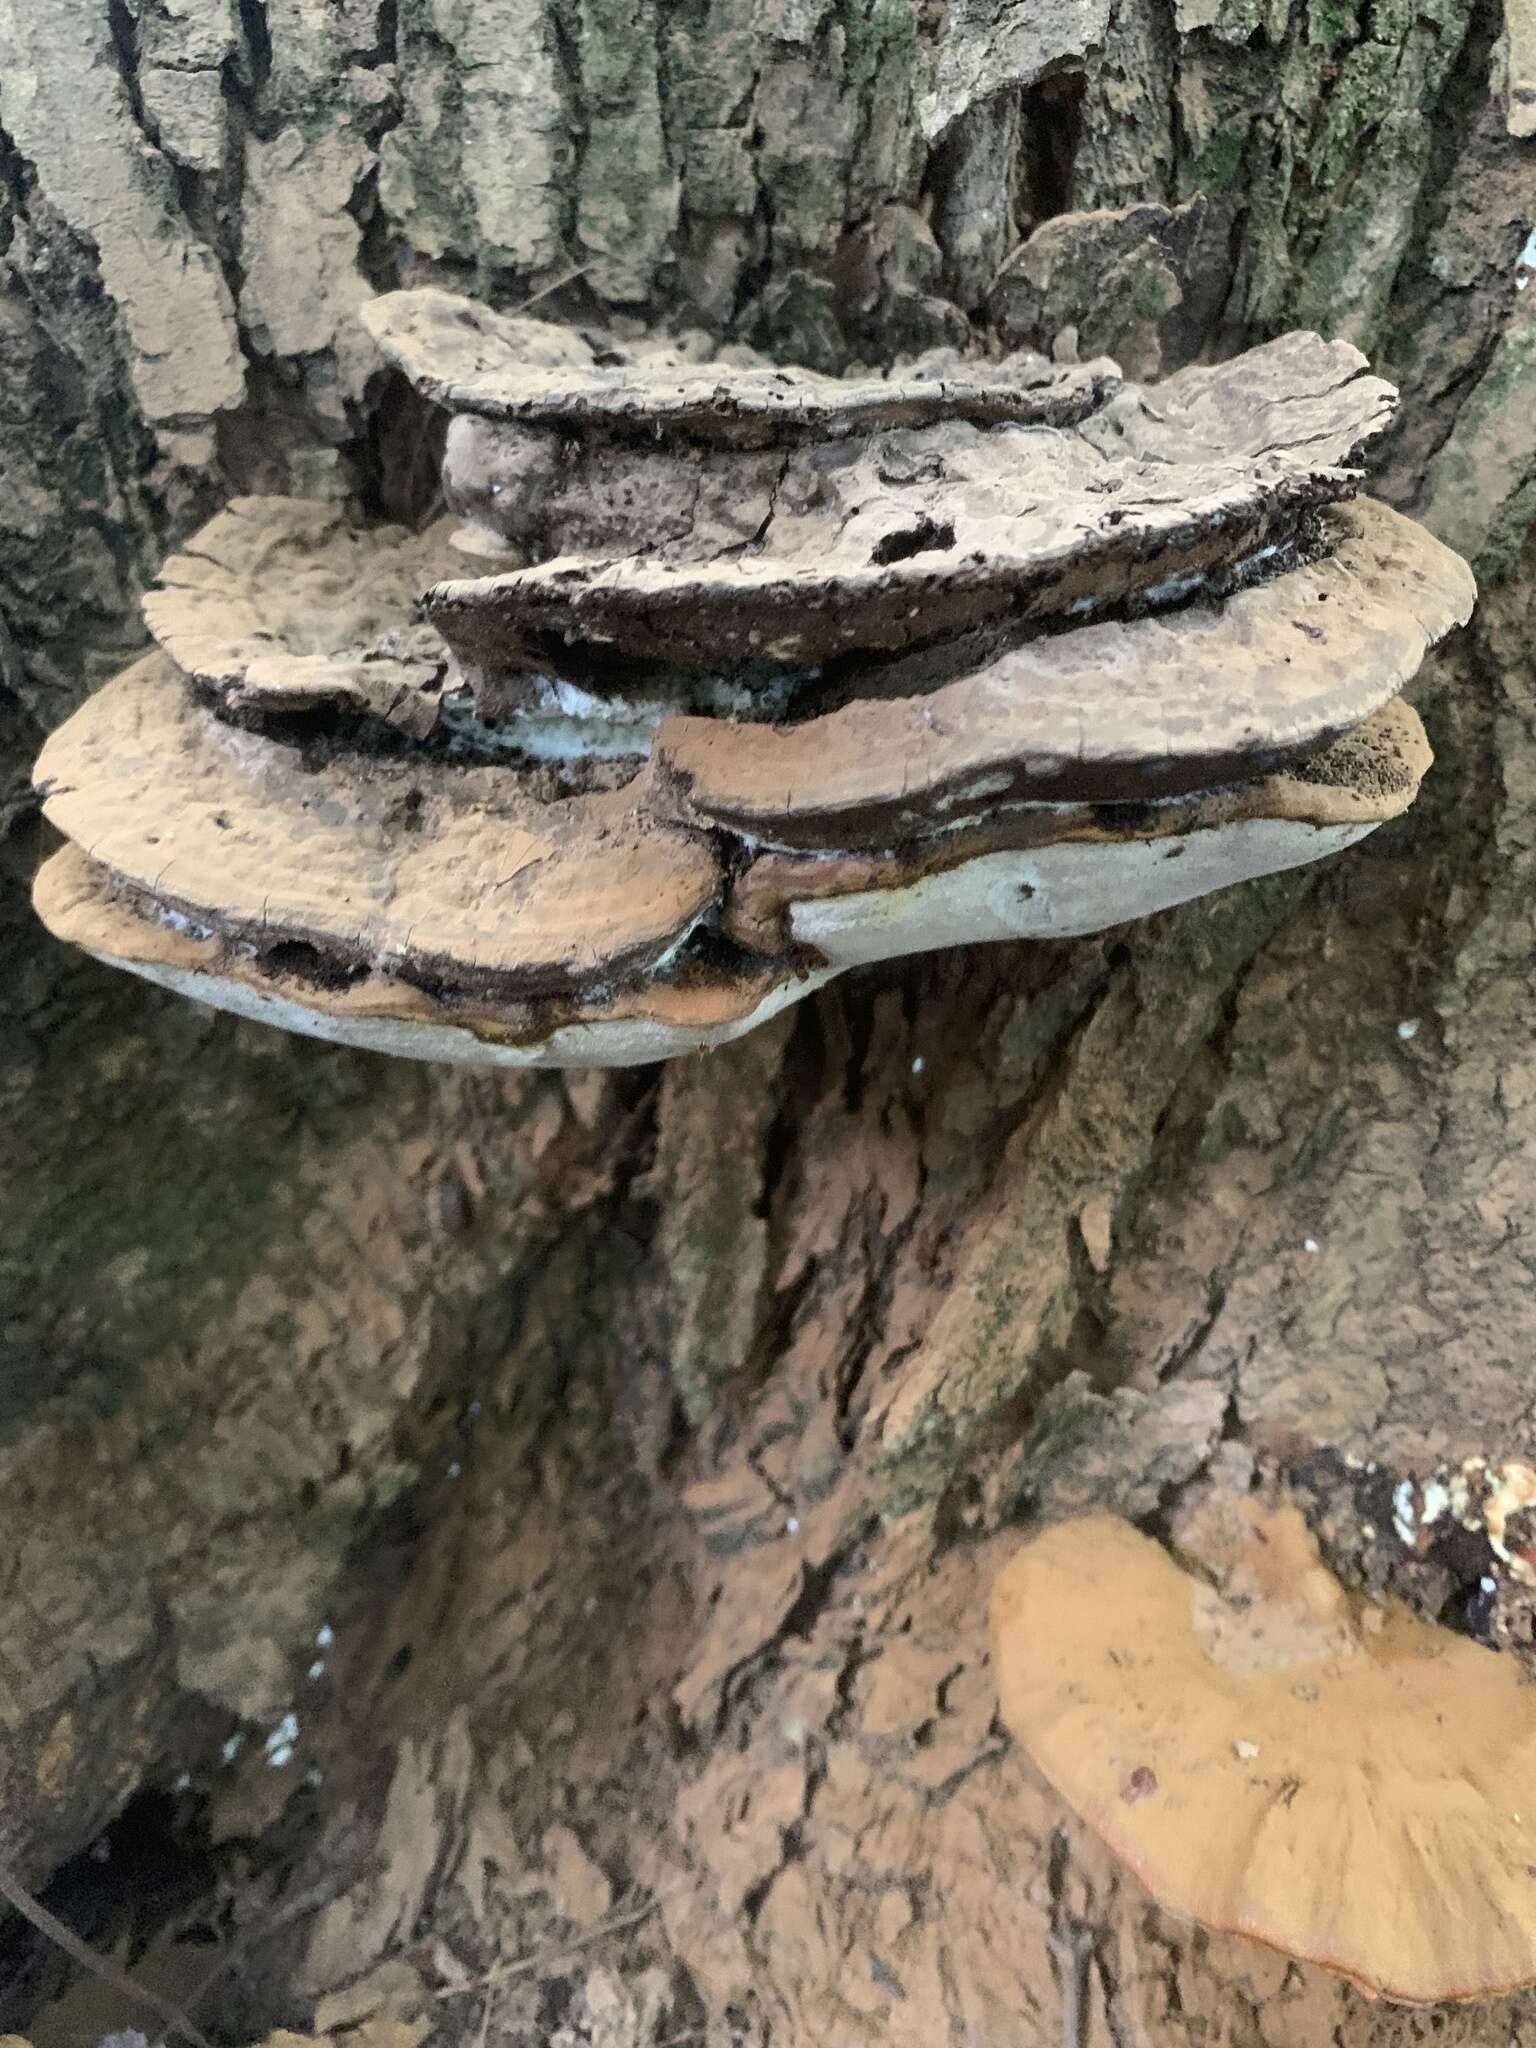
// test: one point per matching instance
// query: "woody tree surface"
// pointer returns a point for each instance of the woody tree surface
(646, 1442)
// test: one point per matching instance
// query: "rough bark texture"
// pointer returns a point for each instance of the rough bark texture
(649, 1441)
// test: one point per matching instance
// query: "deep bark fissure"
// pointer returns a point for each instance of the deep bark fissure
(257, 34)
(1051, 122)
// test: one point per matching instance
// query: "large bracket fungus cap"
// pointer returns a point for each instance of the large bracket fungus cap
(442, 910)
(436, 870)
(1119, 711)
(890, 542)
(1274, 1758)
(697, 1006)
(506, 366)
(1061, 871)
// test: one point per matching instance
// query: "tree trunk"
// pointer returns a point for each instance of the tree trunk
(648, 1440)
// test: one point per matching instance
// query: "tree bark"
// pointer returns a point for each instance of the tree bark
(648, 1441)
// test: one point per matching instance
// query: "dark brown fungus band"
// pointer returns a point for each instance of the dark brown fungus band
(989, 650)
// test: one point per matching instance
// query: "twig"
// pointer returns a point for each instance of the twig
(541, 1958)
(558, 285)
(281, 1916)
(1073, 1948)
(15, 1894)
(434, 511)
(483, 2032)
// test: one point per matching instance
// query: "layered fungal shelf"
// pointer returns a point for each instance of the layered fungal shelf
(721, 678)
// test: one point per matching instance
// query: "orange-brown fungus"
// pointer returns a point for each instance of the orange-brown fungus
(1277, 1758)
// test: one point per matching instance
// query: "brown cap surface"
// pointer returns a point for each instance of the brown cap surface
(1345, 1783)
(692, 1004)
(1063, 870)
(281, 604)
(424, 865)
(911, 535)
(1148, 708)
(506, 366)
(1207, 698)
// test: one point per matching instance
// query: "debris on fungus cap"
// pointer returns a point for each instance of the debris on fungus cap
(889, 542)
(280, 604)
(798, 673)
(1276, 1758)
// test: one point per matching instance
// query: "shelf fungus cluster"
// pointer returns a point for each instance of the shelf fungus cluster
(1277, 1758)
(719, 678)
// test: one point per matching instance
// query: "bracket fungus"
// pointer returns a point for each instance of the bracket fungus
(1276, 1758)
(769, 674)
(280, 604)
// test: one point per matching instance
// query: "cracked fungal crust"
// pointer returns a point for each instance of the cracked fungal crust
(534, 493)
(505, 367)
(445, 868)
(1116, 711)
(889, 541)
(282, 604)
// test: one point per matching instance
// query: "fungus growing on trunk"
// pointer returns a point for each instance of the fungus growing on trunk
(1193, 698)
(888, 541)
(1276, 1758)
(796, 673)
(278, 604)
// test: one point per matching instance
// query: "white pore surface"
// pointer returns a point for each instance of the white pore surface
(612, 1042)
(1057, 892)
(1050, 892)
